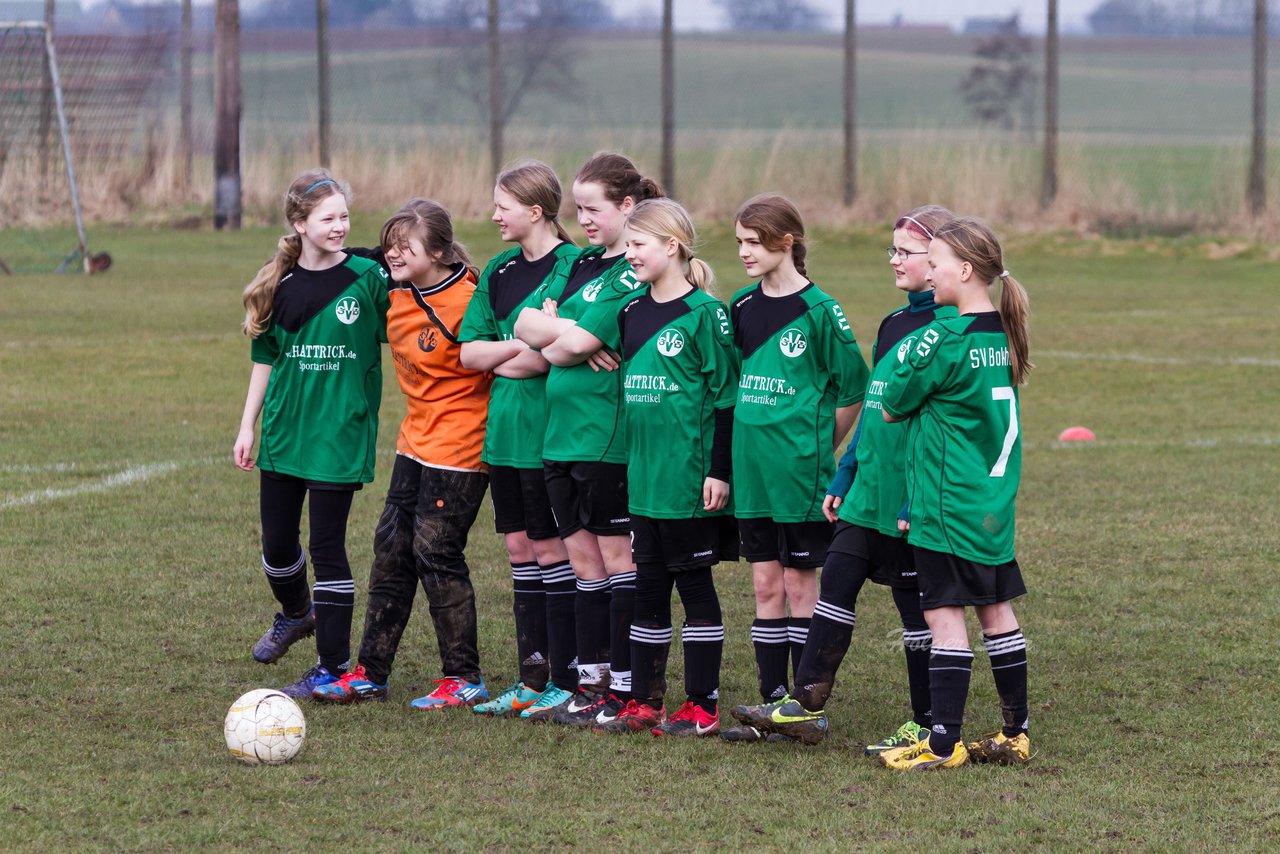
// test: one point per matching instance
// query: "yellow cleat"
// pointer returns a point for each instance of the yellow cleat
(1000, 749)
(918, 757)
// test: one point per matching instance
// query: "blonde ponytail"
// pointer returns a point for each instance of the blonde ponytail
(1015, 311)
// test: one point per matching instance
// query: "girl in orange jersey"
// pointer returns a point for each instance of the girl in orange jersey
(438, 481)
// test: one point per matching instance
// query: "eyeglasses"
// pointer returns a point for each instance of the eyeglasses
(903, 254)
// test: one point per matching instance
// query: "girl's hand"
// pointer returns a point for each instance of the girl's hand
(904, 525)
(603, 360)
(715, 494)
(830, 505)
(243, 448)
(549, 308)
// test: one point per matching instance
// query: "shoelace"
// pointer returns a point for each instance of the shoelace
(448, 685)
(684, 713)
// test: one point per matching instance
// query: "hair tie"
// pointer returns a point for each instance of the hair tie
(919, 225)
(317, 184)
(1004, 274)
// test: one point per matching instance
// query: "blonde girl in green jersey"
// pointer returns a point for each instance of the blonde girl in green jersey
(317, 317)
(584, 453)
(959, 387)
(526, 209)
(679, 384)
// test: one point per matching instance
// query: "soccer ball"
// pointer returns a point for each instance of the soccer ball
(264, 726)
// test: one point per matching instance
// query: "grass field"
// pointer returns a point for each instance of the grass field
(132, 592)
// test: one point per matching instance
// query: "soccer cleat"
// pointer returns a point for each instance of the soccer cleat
(633, 717)
(453, 691)
(786, 717)
(690, 720)
(284, 633)
(918, 757)
(311, 680)
(580, 710)
(1000, 749)
(509, 703)
(908, 734)
(552, 700)
(352, 687)
(742, 734)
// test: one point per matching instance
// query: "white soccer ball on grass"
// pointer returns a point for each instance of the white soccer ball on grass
(265, 727)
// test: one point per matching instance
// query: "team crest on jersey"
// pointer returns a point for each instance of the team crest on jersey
(592, 289)
(670, 342)
(427, 339)
(905, 347)
(348, 310)
(792, 343)
(629, 280)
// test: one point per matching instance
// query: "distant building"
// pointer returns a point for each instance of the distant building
(990, 26)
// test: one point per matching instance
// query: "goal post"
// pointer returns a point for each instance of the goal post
(29, 79)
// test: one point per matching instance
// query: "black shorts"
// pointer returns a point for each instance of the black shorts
(520, 502)
(683, 544)
(588, 495)
(799, 545)
(950, 581)
(892, 560)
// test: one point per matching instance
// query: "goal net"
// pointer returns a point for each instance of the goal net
(69, 107)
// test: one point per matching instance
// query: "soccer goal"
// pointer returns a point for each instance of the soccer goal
(37, 172)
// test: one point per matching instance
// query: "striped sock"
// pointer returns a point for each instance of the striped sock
(797, 634)
(530, 609)
(591, 618)
(1008, 654)
(334, 600)
(561, 589)
(622, 606)
(769, 638)
(829, 635)
(949, 671)
(289, 585)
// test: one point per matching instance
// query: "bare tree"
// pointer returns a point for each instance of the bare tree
(184, 129)
(322, 72)
(668, 98)
(1002, 78)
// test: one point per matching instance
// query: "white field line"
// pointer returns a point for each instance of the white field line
(135, 474)
(1247, 362)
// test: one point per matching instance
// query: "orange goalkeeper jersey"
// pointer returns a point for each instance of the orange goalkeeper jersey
(447, 403)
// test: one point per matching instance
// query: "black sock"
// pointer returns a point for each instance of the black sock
(916, 643)
(530, 609)
(334, 601)
(622, 606)
(769, 637)
(561, 589)
(591, 618)
(703, 637)
(949, 670)
(289, 585)
(797, 634)
(650, 647)
(830, 630)
(1008, 654)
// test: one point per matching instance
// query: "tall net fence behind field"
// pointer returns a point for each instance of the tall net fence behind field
(109, 93)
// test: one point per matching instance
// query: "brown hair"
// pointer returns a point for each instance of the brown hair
(774, 218)
(665, 219)
(307, 190)
(972, 241)
(429, 222)
(535, 184)
(924, 221)
(619, 178)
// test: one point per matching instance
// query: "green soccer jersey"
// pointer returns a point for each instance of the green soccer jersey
(320, 413)
(679, 368)
(517, 408)
(879, 489)
(964, 449)
(799, 363)
(584, 406)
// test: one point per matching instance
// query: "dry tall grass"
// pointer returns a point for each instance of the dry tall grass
(986, 174)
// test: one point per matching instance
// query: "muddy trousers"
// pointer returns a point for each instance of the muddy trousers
(420, 540)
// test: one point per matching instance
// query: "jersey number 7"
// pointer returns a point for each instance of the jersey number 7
(1005, 392)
